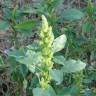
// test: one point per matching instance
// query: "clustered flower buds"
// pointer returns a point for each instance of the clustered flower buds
(46, 40)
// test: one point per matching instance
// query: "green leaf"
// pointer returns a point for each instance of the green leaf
(23, 70)
(87, 26)
(65, 91)
(59, 59)
(3, 66)
(44, 92)
(31, 59)
(38, 92)
(74, 90)
(90, 8)
(4, 25)
(59, 43)
(34, 46)
(15, 53)
(26, 25)
(71, 66)
(57, 75)
(16, 13)
(34, 82)
(64, 95)
(89, 92)
(72, 14)
(1, 61)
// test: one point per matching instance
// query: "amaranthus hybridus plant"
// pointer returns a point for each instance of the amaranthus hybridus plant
(46, 40)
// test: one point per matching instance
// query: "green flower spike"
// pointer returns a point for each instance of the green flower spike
(46, 40)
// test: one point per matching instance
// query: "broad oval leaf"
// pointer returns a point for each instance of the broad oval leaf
(72, 14)
(57, 75)
(59, 59)
(59, 43)
(72, 66)
(31, 59)
(34, 46)
(44, 92)
(15, 53)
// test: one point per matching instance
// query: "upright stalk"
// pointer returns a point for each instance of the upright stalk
(46, 40)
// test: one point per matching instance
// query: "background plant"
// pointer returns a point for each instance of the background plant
(78, 23)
